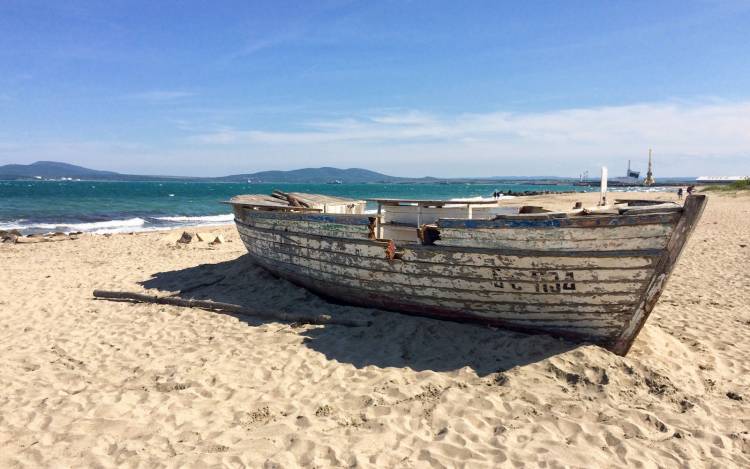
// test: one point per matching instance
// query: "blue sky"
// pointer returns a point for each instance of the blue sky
(405, 87)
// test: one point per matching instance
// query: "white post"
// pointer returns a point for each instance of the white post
(603, 188)
(379, 230)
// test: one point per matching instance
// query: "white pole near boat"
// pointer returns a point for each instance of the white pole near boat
(603, 189)
(379, 225)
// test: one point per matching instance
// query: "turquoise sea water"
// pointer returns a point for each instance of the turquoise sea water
(96, 206)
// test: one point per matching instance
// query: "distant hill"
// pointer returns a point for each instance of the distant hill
(314, 176)
(57, 170)
(52, 169)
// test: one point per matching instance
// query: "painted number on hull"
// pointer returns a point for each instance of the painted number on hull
(542, 281)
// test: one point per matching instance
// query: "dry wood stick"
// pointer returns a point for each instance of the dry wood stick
(226, 307)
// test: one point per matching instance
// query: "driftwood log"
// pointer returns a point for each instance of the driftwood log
(289, 198)
(226, 307)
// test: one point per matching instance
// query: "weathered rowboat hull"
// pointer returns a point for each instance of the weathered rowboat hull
(593, 278)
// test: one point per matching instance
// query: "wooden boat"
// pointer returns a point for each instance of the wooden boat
(587, 274)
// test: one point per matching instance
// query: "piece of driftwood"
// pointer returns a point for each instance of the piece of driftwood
(226, 307)
(292, 200)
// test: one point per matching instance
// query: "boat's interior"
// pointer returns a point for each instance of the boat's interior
(300, 202)
(400, 220)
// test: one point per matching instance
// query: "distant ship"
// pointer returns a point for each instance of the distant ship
(335, 181)
(632, 178)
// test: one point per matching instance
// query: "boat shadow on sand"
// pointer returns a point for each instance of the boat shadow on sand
(392, 340)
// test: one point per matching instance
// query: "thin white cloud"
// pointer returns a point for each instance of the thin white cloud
(687, 137)
(160, 95)
(287, 34)
(684, 128)
(259, 44)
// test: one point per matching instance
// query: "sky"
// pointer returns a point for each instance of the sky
(407, 88)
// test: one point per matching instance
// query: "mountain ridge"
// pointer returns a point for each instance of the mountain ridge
(323, 174)
(326, 174)
(50, 169)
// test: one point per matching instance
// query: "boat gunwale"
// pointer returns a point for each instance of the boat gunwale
(431, 202)
(339, 218)
(522, 221)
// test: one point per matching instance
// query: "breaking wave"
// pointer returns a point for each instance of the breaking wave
(117, 226)
(226, 218)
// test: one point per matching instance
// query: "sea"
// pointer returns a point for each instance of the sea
(119, 206)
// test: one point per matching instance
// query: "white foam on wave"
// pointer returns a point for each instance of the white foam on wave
(226, 218)
(482, 199)
(109, 226)
(12, 225)
(120, 226)
(643, 189)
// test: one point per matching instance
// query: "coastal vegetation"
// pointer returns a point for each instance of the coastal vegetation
(741, 185)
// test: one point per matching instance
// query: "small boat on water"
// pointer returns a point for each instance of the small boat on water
(586, 274)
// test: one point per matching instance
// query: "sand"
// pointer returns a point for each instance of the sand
(87, 383)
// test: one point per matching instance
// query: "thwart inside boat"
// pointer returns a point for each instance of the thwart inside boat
(407, 221)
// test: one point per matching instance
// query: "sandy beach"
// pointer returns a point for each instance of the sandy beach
(91, 383)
